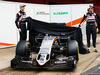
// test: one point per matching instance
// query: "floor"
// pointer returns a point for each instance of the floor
(85, 63)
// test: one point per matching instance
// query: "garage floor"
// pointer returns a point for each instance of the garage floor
(85, 63)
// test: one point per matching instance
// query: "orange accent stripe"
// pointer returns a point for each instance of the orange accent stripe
(77, 21)
(68, 24)
(56, 39)
(6, 44)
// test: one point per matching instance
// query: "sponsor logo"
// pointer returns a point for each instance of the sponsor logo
(42, 13)
(59, 62)
(60, 13)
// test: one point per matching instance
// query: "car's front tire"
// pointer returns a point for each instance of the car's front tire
(21, 49)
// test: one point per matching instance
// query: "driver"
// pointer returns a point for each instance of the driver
(91, 27)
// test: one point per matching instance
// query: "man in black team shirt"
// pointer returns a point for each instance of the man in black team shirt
(20, 22)
(91, 27)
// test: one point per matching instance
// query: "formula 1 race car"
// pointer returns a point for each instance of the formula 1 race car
(48, 51)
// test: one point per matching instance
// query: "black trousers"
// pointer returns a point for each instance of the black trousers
(91, 30)
(99, 25)
(23, 33)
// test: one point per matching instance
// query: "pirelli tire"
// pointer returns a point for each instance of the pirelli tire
(21, 49)
(73, 49)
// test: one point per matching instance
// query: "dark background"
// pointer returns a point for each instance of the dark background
(51, 2)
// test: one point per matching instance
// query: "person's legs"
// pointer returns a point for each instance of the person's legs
(94, 38)
(23, 34)
(88, 33)
(20, 36)
(99, 26)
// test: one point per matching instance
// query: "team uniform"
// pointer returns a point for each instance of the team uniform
(21, 23)
(91, 20)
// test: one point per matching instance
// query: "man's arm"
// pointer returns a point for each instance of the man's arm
(96, 22)
(17, 20)
(84, 17)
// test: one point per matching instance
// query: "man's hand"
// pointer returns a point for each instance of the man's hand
(97, 30)
(77, 26)
(19, 30)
